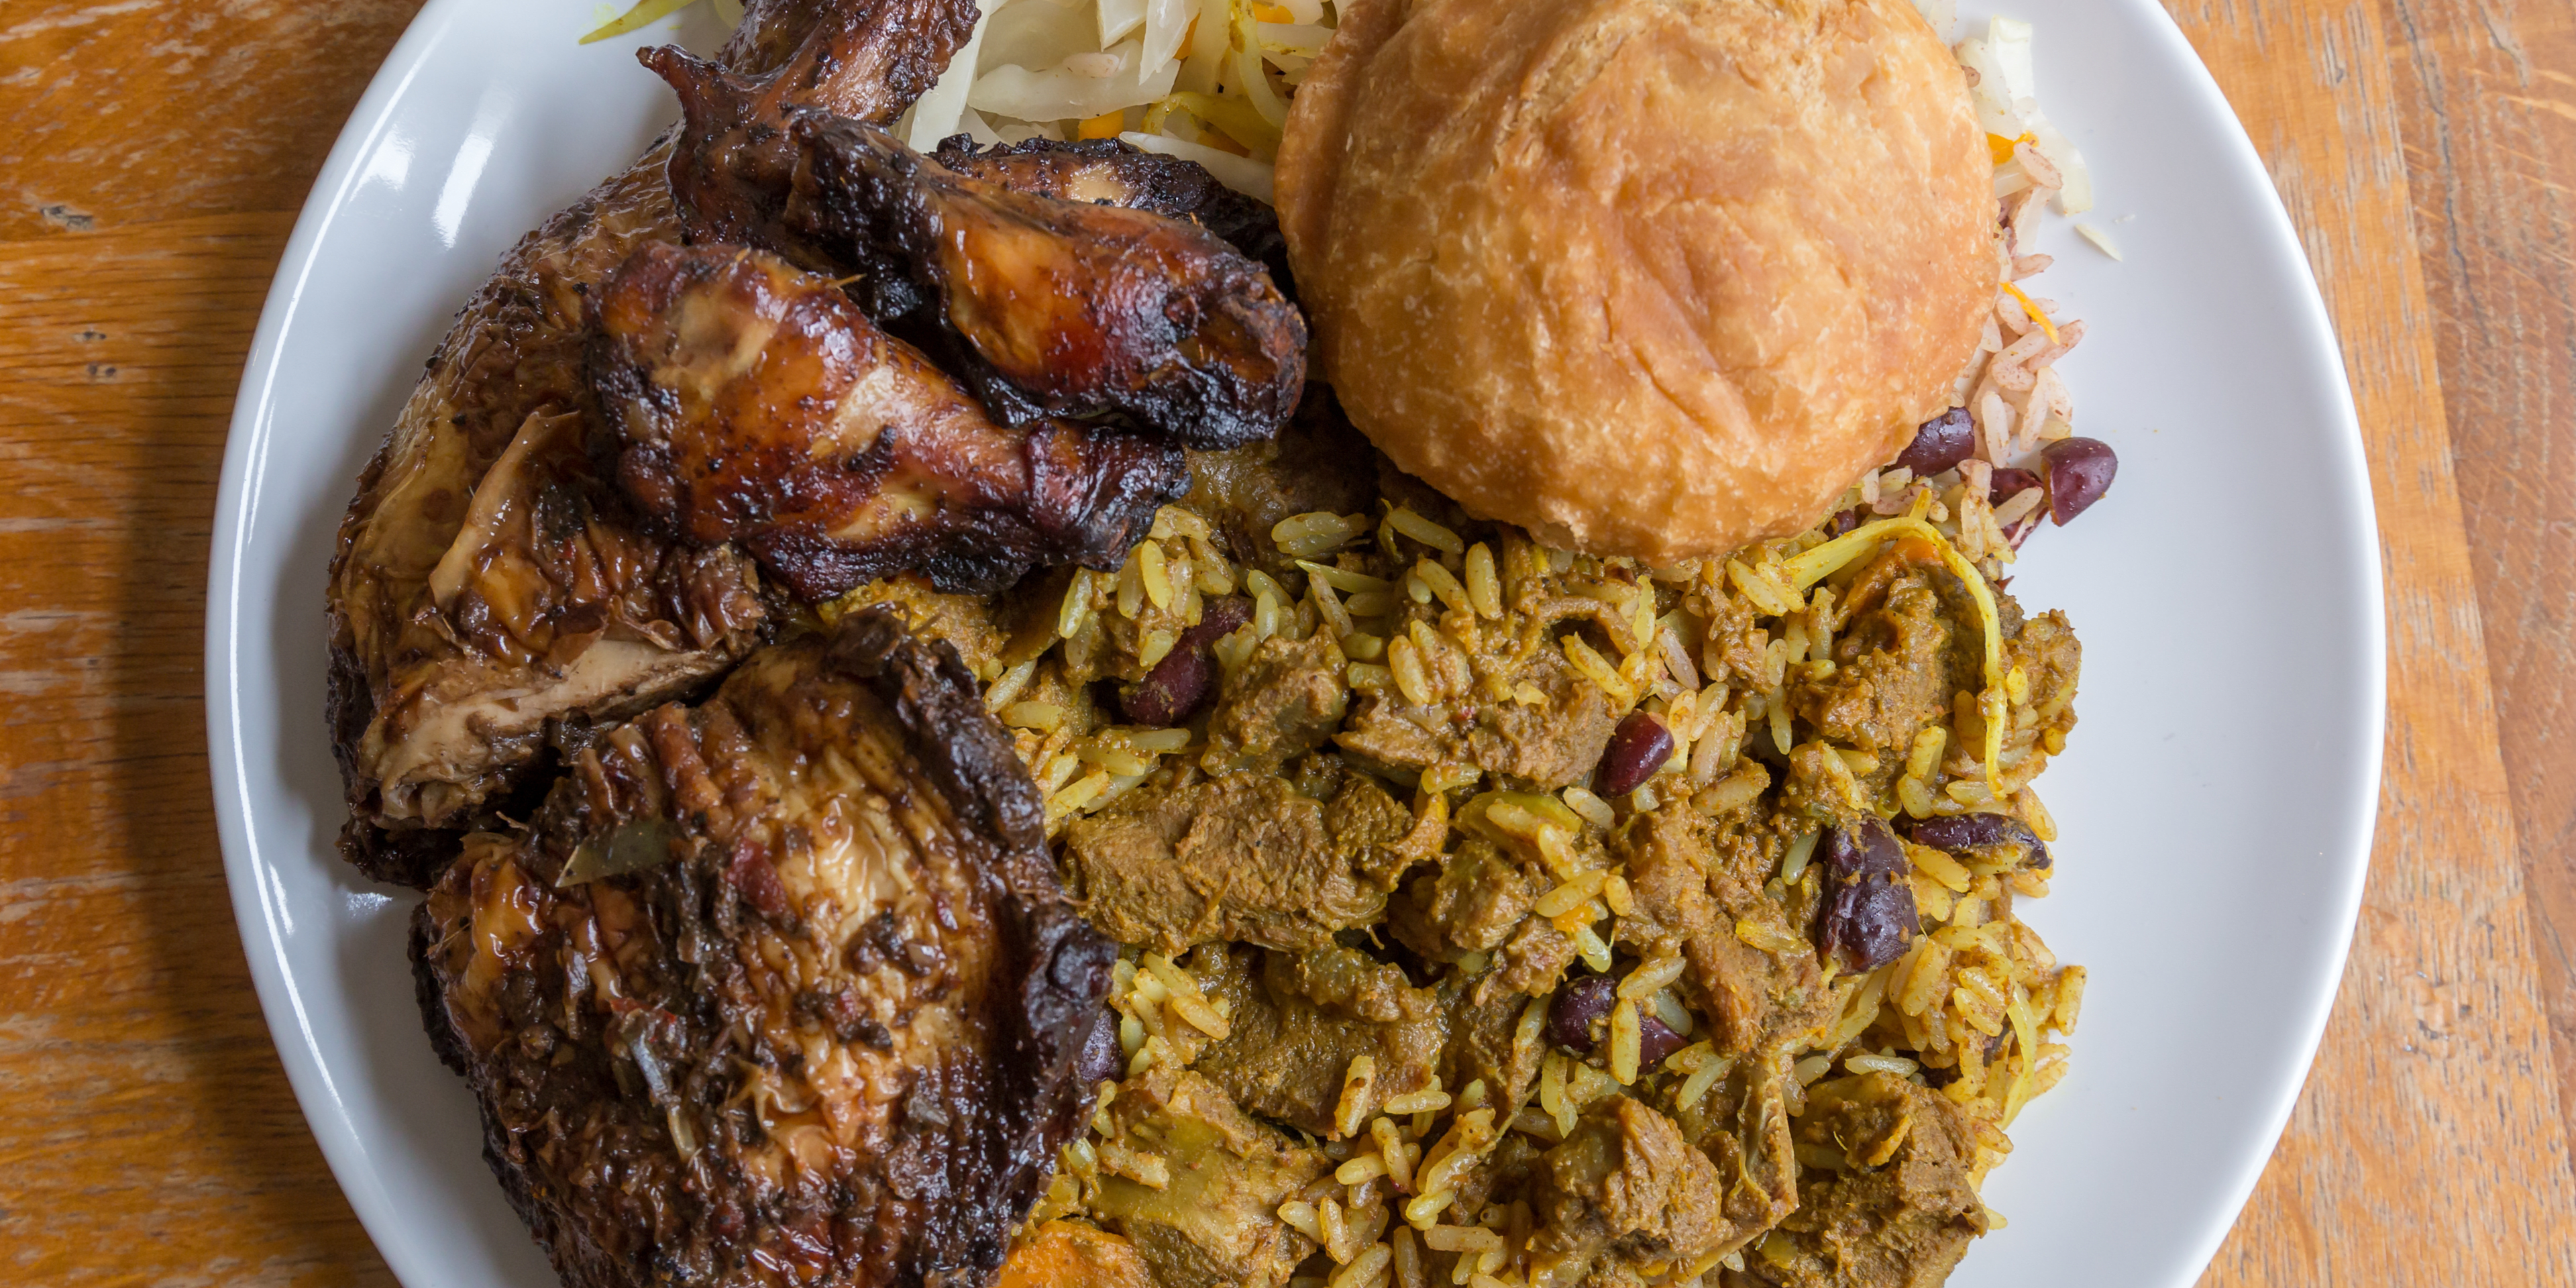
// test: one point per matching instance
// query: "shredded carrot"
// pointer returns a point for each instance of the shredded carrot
(1273, 13)
(1108, 124)
(2002, 148)
(2046, 327)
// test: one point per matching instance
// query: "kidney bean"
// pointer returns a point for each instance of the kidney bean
(1941, 442)
(1172, 690)
(1868, 917)
(2080, 470)
(1638, 747)
(1100, 1059)
(1964, 832)
(1579, 1005)
(2008, 484)
(1655, 1041)
(1846, 521)
(1182, 681)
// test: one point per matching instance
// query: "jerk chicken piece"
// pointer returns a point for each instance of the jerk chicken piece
(486, 582)
(1059, 307)
(1064, 308)
(1096, 172)
(781, 986)
(749, 402)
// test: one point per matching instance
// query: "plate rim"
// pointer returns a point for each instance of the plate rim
(246, 444)
(249, 437)
(2353, 459)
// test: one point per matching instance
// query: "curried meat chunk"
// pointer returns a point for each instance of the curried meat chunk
(784, 979)
(1242, 857)
(1550, 743)
(1742, 1127)
(1297, 1022)
(1886, 1201)
(1284, 703)
(749, 402)
(1063, 308)
(1317, 463)
(1215, 1219)
(1473, 904)
(1695, 883)
(553, 606)
(2047, 651)
(1626, 1188)
(1494, 1038)
(1890, 678)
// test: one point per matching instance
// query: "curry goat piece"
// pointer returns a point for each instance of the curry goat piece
(775, 988)
(1406, 990)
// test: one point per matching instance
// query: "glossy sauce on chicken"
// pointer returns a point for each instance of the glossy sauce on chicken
(748, 402)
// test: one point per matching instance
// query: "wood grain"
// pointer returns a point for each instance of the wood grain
(2488, 95)
(146, 1129)
(158, 150)
(155, 156)
(125, 111)
(2435, 1060)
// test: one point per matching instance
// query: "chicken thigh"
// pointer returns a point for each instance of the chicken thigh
(779, 988)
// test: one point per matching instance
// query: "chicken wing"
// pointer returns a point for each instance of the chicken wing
(471, 604)
(1064, 308)
(750, 402)
(776, 989)
(1097, 172)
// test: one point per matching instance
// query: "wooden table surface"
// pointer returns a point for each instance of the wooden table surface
(153, 154)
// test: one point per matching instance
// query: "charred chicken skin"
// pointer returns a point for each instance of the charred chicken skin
(487, 584)
(1062, 308)
(752, 403)
(1095, 172)
(1057, 306)
(780, 988)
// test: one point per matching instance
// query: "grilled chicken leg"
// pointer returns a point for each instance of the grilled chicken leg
(752, 403)
(487, 583)
(1064, 308)
(1095, 172)
(1061, 307)
(777, 989)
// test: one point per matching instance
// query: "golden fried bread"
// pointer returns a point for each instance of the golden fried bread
(1651, 279)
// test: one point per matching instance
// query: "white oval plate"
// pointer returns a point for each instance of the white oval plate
(2216, 805)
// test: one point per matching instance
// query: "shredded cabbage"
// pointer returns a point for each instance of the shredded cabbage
(1167, 22)
(1206, 79)
(1067, 91)
(942, 111)
(1117, 18)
